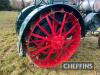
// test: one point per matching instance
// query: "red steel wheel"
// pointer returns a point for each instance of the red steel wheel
(53, 38)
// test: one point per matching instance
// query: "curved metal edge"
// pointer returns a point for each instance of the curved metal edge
(20, 50)
(38, 10)
(22, 15)
(89, 16)
(89, 20)
(23, 11)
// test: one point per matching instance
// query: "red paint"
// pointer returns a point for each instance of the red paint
(56, 47)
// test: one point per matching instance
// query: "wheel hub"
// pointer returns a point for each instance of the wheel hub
(57, 42)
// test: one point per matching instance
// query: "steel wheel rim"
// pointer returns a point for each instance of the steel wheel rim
(58, 33)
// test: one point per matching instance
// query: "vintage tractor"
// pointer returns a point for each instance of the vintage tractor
(49, 31)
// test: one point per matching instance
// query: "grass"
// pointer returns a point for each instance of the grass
(12, 64)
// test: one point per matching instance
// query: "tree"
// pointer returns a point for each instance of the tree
(4, 5)
(23, 4)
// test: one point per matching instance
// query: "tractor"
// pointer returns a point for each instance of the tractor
(49, 31)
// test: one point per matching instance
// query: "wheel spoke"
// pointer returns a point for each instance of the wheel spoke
(69, 41)
(48, 56)
(35, 52)
(34, 43)
(54, 20)
(70, 30)
(57, 53)
(50, 25)
(45, 52)
(37, 42)
(39, 36)
(42, 29)
(63, 23)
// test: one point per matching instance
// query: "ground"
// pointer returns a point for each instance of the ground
(12, 64)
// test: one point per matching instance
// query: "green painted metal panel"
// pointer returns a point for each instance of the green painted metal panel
(22, 15)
